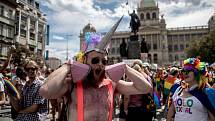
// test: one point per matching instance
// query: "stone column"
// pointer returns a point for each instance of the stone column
(28, 31)
(44, 39)
(19, 26)
(36, 35)
(165, 50)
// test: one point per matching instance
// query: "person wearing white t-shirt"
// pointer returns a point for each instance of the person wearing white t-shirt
(185, 106)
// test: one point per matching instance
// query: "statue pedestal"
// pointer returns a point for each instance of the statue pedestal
(134, 38)
(133, 47)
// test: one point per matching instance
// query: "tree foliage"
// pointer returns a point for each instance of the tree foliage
(204, 48)
(21, 55)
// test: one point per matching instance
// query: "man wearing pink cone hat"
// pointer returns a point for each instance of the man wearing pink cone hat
(89, 86)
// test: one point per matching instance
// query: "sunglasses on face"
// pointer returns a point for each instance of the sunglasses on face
(186, 72)
(97, 60)
(31, 68)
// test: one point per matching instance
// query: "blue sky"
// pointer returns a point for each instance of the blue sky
(68, 17)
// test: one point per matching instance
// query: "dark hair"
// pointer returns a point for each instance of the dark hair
(20, 73)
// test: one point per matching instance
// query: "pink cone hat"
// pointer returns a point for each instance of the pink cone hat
(116, 71)
(79, 70)
(103, 42)
(107, 38)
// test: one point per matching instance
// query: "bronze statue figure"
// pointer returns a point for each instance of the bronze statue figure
(123, 49)
(144, 48)
(134, 22)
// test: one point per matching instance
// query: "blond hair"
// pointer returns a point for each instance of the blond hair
(31, 62)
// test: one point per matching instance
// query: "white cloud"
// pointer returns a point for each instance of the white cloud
(59, 49)
(191, 19)
(181, 13)
(70, 17)
(56, 37)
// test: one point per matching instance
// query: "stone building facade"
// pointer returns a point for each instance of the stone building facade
(28, 26)
(166, 45)
(31, 26)
(7, 26)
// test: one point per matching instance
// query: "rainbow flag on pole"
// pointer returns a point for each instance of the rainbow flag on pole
(168, 84)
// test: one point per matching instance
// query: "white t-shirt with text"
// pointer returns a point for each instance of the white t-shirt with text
(189, 109)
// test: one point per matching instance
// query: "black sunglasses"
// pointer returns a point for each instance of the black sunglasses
(97, 60)
(33, 69)
(185, 72)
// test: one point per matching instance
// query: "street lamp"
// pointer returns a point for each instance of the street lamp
(67, 45)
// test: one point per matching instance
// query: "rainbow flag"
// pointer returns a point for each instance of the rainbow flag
(157, 99)
(168, 84)
(11, 88)
(157, 80)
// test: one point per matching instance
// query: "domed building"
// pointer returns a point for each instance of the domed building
(166, 45)
(147, 3)
(87, 28)
(211, 23)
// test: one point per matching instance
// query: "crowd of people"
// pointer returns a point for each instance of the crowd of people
(133, 104)
(90, 89)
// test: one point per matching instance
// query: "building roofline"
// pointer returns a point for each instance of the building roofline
(188, 28)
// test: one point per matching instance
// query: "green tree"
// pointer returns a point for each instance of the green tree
(20, 54)
(204, 48)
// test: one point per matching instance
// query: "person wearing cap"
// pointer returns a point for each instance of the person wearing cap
(187, 104)
(91, 98)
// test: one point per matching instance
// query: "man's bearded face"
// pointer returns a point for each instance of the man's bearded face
(97, 61)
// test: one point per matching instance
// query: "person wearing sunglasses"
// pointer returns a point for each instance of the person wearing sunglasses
(91, 97)
(31, 106)
(190, 102)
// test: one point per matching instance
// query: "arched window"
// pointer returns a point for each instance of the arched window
(141, 16)
(154, 15)
(147, 15)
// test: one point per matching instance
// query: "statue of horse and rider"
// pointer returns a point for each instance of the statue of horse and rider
(134, 22)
